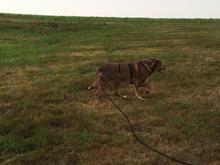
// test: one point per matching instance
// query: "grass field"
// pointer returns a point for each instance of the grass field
(47, 116)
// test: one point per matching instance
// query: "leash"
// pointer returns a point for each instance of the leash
(136, 137)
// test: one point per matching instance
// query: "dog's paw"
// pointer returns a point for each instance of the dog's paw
(125, 97)
(139, 97)
(90, 88)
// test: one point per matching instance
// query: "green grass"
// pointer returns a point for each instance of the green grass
(48, 117)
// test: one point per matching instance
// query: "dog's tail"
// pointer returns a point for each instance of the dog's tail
(96, 82)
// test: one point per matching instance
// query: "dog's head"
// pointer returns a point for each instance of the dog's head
(157, 65)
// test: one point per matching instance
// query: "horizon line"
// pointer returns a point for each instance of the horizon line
(137, 17)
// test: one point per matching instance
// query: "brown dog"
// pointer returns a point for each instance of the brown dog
(135, 73)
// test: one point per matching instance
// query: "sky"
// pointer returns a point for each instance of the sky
(115, 8)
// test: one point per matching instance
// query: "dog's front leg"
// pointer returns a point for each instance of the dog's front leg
(145, 84)
(136, 92)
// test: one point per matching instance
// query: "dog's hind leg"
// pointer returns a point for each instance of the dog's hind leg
(101, 83)
(96, 82)
(98, 89)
